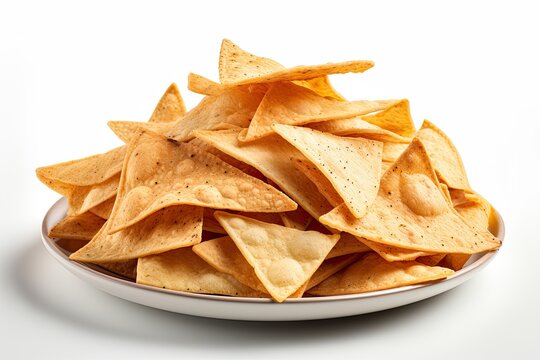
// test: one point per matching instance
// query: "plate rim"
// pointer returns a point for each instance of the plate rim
(61, 256)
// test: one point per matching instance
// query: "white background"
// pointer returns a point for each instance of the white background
(66, 68)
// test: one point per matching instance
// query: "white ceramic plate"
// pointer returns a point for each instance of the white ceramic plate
(236, 308)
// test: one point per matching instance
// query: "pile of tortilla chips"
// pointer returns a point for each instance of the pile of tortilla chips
(274, 186)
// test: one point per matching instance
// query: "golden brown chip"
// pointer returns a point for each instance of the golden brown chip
(238, 67)
(183, 270)
(411, 212)
(104, 209)
(159, 173)
(321, 86)
(290, 104)
(329, 267)
(454, 261)
(273, 157)
(392, 253)
(353, 166)
(223, 255)
(283, 258)
(445, 157)
(210, 223)
(78, 227)
(88, 171)
(167, 229)
(347, 244)
(170, 107)
(83, 198)
(358, 127)
(396, 118)
(392, 151)
(234, 107)
(373, 273)
(126, 268)
(324, 185)
(298, 219)
(430, 260)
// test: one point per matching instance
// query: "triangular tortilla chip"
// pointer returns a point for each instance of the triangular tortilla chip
(88, 171)
(287, 103)
(396, 118)
(358, 127)
(104, 209)
(454, 261)
(347, 244)
(430, 260)
(127, 269)
(78, 227)
(234, 107)
(158, 173)
(183, 270)
(170, 107)
(445, 157)
(411, 212)
(272, 156)
(223, 255)
(353, 166)
(329, 267)
(373, 273)
(167, 229)
(283, 258)
(236, 63)
(324, 185)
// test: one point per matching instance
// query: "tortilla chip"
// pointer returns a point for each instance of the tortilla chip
(239, 67)
(353, 166)
(357, 127)
(167, 229)
(431, 260)
(392, 151)
(234, 107)
(183, 270)
(324, 185)
(83, 198)
(396, 118)
(170, 107)
(159, 173)
(88, 171)
(373, 273)
(347, 244)
(454, 261)
(240, 165)
(223, 255)
(287, 103)
(283, 258)
(272, 156)
(298, 219)
(392, 253)
(411, 212)
(329, 267)
(78, 227)
(210, 223)
(127, 269)
(104, 209)
(445, 157)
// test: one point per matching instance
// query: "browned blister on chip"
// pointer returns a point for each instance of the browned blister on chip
(183, 270)
(77, 227)
(353, 166)
(372, 273)
(411, 212)
(159, 173)
(283, 258)
(167, 229)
